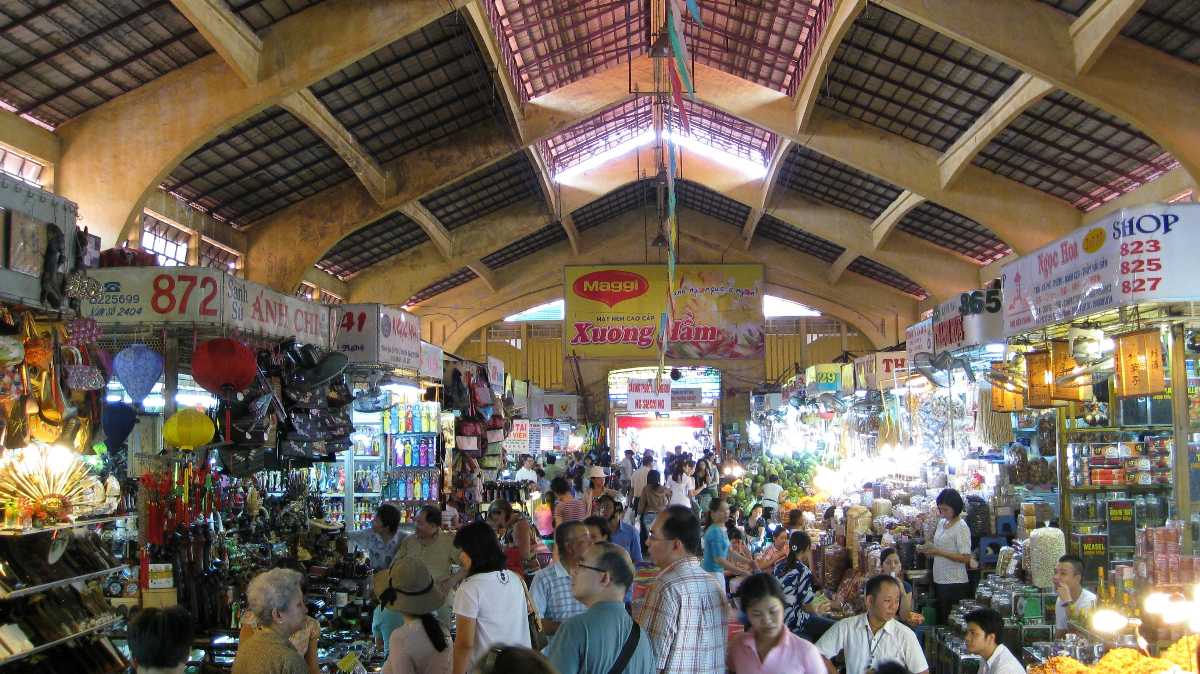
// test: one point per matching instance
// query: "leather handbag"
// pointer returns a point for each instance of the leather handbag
(537, 636)
(457, 397)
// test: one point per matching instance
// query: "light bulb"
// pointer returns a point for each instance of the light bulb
(1156, 603)
(1177, 612)
(1109, 621)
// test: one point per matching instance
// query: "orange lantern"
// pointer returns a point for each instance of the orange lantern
(1040, 377)
(1139, 364)
(1005, 399)
(1062, 363)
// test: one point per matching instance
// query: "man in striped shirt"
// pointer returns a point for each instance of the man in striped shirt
(684, 614)
(567, 508)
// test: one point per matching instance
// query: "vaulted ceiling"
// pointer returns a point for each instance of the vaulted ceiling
(412, 148)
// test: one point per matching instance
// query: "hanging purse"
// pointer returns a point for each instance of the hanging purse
(338, 423)
(305, 425)
(81, 376)
(39, 351)
(339, 394)
(310, 399)
(83, 331)
(481, 392)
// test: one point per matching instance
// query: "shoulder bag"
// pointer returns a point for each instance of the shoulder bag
(631, 642)
(537, 638)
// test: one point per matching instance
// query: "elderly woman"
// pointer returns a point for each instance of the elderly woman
(276, 602)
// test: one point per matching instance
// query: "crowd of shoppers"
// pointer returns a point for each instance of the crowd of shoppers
(713, 569)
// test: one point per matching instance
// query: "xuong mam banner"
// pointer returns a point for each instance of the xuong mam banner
(613, 311)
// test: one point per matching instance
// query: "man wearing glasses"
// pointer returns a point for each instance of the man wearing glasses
(604, 635)
(684, 614)
(551, 589)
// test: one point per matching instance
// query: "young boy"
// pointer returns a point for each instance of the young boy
(160, 640)
(983, 639)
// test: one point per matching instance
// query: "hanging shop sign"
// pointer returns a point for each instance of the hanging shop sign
(1139, 361)
(537, 401)
(645, 396)
(969, 320)
(686, 398)
(615, 311)
(199, 295)
(431, 361)
(879, 370)
(918, 338)
(562, 406)
(517, 441)
(1143, 254)
(495, 370)
(376, 333)
(823, 378)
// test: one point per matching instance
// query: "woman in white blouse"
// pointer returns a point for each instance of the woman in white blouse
(951, 551)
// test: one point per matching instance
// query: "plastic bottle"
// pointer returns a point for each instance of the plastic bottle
(408, 419)
(408, 481)
(425, 489)
(418, 420)
(416, 490)
(433, 488)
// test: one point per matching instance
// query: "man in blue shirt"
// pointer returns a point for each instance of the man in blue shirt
(620, 532)
(594, 640)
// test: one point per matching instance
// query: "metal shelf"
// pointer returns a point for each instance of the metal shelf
(60, 527)
(1120, 429)
(366, 494)
(26, 591)
(52, 644)
(366, 458)
(1104, 488)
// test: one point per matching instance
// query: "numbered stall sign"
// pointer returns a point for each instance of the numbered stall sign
(375, 333)
(972, 319)
(156, 295)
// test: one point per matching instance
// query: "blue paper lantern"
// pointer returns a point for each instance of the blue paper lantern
(118, 420)
(138, 368)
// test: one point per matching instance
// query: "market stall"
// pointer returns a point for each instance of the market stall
(657, 414)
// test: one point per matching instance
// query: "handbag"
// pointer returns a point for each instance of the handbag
(16, 427)
(339, 394)
(311, 399)
(82, 331)
(537, 637)
(456, 392)
(305, 425)
(466, 443)
(81, 376)
(481, 393)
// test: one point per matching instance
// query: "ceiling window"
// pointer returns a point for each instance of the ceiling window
(169, 242)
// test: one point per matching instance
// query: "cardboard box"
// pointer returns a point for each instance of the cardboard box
(159, 598)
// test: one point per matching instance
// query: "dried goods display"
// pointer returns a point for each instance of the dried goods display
(1046, 546)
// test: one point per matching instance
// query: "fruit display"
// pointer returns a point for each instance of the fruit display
(1121, 661)
(1183, 652)
(795, 475)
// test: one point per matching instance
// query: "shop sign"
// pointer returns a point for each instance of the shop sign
(537, 402)
(376, 333)
(200, 295)
(646, 396)
(823, 378)
(969, 320)
(156, 295)
(918, 338)
(495, 370)
(1142, 254)
(685, 398)
(561, 406)
(431, 361)
(878, 370)
(517, 441)
(616, 311)
(254, 308)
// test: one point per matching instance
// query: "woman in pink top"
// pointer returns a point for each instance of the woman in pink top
(768, 647)
(420, 645)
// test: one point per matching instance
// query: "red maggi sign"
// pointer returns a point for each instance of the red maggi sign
(610, 286)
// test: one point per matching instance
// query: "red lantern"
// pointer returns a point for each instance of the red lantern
(224, 367)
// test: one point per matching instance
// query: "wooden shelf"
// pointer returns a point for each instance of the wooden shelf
(52, 644)
(26, 591)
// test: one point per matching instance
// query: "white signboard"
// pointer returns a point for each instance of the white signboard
(878, 370)
(207, 296)
(560, 406)
(518, 440)
(969, 320)
(431, 361)
(156, 295)
(1143, 254)
(495, 370)
(375, 333)
(537, 398)
(644, 396)
(918, 338)
(685, 398)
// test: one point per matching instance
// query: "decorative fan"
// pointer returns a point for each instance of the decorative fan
(1010, 378)
(830, 402)
(938, 369)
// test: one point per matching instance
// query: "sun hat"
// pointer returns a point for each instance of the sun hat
(596, 471)
(407, 587)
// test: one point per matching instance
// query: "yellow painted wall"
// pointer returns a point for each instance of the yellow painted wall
(541, 363)
(783, 351)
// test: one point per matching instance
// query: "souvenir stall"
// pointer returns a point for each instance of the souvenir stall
(397, 450)
(479, 418)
